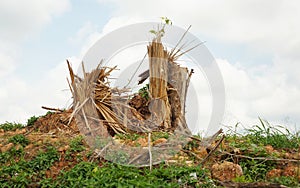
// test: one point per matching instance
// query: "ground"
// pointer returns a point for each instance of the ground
(50, 152)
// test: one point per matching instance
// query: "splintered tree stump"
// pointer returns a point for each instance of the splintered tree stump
(158, 73)
(168, 86)
(101, 112)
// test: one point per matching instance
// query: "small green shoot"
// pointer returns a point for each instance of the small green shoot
(144, 92)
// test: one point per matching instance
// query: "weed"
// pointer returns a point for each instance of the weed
(276, 136)
(87, 174)
(4, 157)
(120, 157)
(31, 120)
(256, 170)
(11, 155)
(287, 181)
(49, 112)
(7, 126)
(20, 174)
(261, 135)
(44, 160)
(161, 31)
(144, 92)
(131, 137)
(76, 145)
(19, 139)
(47, 182)
(157, 135)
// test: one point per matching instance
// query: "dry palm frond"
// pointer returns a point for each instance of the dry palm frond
(177, 52)
(92, 99)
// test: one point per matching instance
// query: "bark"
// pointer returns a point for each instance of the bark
(178, 82)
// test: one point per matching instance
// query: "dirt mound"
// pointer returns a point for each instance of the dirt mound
(56, 122)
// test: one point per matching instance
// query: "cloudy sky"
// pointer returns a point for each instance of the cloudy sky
(256, 45)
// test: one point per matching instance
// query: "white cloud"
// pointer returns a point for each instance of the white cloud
(21, 19)
(56, 93)
(112, 24)
(268, 26)
(84, 32)
(20, 99)
(6, 66)
(12, 92)
(261, 94)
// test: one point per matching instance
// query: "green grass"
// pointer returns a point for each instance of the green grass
(255, 138)
(87, 174)
(31, 120)
(288, 181)
(252, 143)
(276, 136)
(11, 155)
(11, 126)
(19, 139)
(23, 173)
(76, 144)
(19, 170)
(132, 137)
(255, 170)
(8, 126)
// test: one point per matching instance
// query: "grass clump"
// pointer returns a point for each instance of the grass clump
(11, 155)
(259, 147)
(255, 171)
(276, 136)
(76, 144)
(44, 160)
(262, 135)
(31, 120)
(8, 126)
(19, 139)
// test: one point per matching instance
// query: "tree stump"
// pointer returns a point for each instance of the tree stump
(158, 73)
(168, 87)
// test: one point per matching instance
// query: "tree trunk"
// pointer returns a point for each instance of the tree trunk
(158, 73)
(168, 86)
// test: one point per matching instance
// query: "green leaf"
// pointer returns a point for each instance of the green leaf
(153, 32)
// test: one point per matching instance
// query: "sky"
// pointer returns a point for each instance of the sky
(255, 43)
